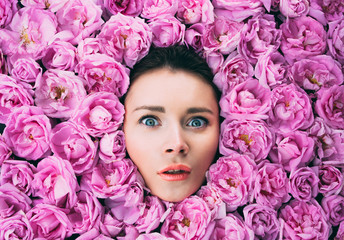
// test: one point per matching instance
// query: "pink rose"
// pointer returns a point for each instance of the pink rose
(52, 5)
(303, 183)
(16, 227)
(271, 186)
(293, 150)
(99, 113)
(262, 220)
(189, 219)
(340, 232)
(330, 180)
(49, 222)
(214, 201)
(128, 7)
(259, 36)
(233, 71)
(27, 133)
(330, 106)
(29, 32)
(232, 177)
(110, 225)
(232, 227)
(214, 60)
(291, 109)
(302, 37)
(194, 11)
(194, 36)
(103, 73)
(292, 8)
(326, 11)
(12, 96)
(112, 147)
(155, 8)
(68, 143)
(247, 100)
(304, 220)
(251, 138)
(25, 69)
(3, 63)
(59, 93)
(167, 31)
(78, 20)
(126, 39)
(222, 35)
(7, 9)
(60, 55)
(94, 235)
(334, 208)
(88, 46)
(19, 174)
(153, 236)
(5, 151)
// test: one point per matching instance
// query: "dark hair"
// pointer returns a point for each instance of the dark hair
(175, 58)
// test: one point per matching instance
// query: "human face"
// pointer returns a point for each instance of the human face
(171, 131)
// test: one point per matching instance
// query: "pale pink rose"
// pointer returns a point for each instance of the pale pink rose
(238, 10)
(127, 7)
(335, 39)
(334, 208)
(19, 174)
(222, 35)
(194, 11)
(326, 11)
(27, 133)
(59, 93)
(271, 5)
(7, 9)
(25, 69)
(293, 150)
(88, 46)
(292, 8)
(126, 39)
(55, 182)
(214, 201)
(247, 100)
(103, 73)
(112, 147)
(155, 8)
(259, 36)
(330, 106)
(194, 36)
(302, 37)
(60, 55)
(252, 138)
(12, 96)
(167, 31)
(99, 113)
(71, 144)
(52, 5)
(214, 60)
(340, 232)
(232, 177)
(49, 222)
(78, 20)
(189, 219)
(262, 220)
(303, 183)
(304, 220)
(110, 225)
(291, 109)
(232, 72)
(232, 227)
(16, 227)
(271, 186)
(29, 32)
(5, 151)
(330, 180)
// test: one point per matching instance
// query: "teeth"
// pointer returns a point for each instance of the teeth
(174, 171)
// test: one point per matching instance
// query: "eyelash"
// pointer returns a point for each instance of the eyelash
(143, 118)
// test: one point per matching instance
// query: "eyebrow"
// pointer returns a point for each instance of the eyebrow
(151, 108)
(162, 109)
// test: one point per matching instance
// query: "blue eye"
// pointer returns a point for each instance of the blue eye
(197, 122)
(149, 121)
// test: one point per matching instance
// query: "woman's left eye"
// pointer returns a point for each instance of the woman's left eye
(197, 122)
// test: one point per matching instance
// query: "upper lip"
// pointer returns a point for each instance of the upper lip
(180, 167)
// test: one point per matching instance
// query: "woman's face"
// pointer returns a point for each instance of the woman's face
(171, 129)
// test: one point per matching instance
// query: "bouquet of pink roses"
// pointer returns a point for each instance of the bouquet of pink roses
(64, 169)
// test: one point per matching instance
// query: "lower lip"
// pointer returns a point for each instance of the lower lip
(174, 177)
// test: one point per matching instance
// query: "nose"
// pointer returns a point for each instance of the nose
(176, 142)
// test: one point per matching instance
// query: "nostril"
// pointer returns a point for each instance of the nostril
(169, 150)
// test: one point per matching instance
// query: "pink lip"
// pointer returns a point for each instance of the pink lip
(184, 174)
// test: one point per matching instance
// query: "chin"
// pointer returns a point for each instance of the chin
(173, 197)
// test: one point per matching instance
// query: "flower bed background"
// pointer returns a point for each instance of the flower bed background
(64, 172)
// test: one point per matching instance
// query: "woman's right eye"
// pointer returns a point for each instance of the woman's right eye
(149, 121)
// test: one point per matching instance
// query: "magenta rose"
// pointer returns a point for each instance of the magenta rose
(259, 36)
(25, 69)
(19, 174)
(16, 227)
(340, 232)
(88, 46)
(49, 222)
(214, 60)
(189, 219)
(330, 106)
(167, 31)
(59, 93)
(214, 201)
(27, 132)
(247, 100)
(233, 71)
(7, 10)
(60, 55)
(103, 73)
(29, 32)
(78, 20)
(291, 109)
(302, 37)
(128, 7)
(231, 227)
(194, 36)
(112, 147)
(334, 208)
(262, 220)
(126, 39)
(99, 113)
(292, 8)
(68, 143)
(303, 183)
(12, 95)
(304, 220)
(326, 11)
(155, 8)
(330, 180)
(110, 225)
(271, 186)
(194, 11)
(232, 177)
(335, 39)
(5, 151)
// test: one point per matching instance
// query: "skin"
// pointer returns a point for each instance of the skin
(171, 118)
